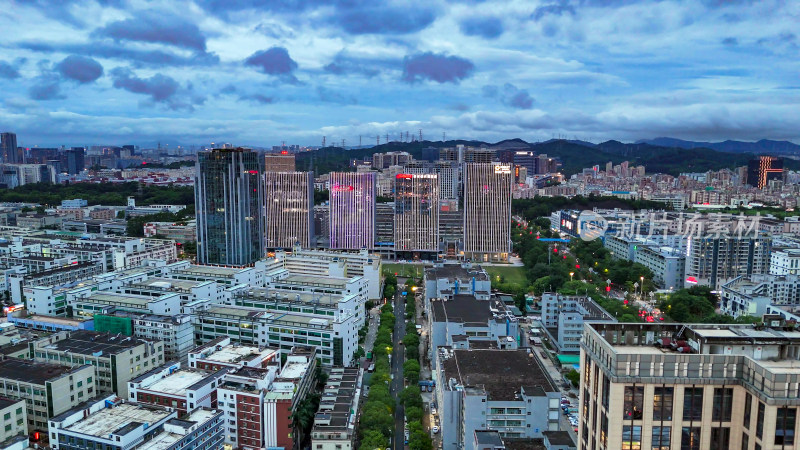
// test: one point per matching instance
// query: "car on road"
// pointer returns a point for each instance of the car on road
(433, 411)
(435, 429)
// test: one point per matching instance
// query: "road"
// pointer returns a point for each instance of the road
(398, 355)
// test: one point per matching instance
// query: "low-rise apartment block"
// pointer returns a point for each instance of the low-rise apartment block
(563, 317)
(47, 389)
(222, 353)
(181, 389)
(335, 421)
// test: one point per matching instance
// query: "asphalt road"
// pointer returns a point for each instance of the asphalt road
(398, 355)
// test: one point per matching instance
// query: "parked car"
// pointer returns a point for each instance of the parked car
(435, 429)
(433, 411)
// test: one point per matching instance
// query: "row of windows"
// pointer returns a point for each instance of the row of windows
(663, 398)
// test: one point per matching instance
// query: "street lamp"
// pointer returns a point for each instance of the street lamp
(570, 275)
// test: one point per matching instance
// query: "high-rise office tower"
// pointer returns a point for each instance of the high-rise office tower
(279, 162)
(487, 211)
(289, 209)
(73, 160)
(763, 169)
(8, 148)
(352, 210)
(416, 213)
(229, 200)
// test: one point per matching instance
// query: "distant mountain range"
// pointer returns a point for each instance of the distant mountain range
(662, 155)
(764, 146)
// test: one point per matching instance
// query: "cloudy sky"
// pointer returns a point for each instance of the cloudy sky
(258, 72)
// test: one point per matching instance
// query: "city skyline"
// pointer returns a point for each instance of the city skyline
(258, 73)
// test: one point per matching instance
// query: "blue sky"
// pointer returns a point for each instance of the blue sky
(258, 72)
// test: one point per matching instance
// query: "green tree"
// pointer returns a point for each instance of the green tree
(574, 377)
(372, 440)
(377, 417)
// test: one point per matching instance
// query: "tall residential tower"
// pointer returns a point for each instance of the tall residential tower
(229, 200)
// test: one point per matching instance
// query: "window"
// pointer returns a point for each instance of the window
(748, 405)
(661, 436)
(720, 438)
(606, 391)
(760, 421)
(784, 426)
(745, 441)
(631, 437)
(604, 429)
(723, 398)
(634, 402)
(690, 438)
(692, 404)
(662, 404)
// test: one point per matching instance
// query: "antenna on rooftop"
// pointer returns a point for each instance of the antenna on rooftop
(323, 141)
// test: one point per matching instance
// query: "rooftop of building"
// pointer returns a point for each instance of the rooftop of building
(72, 321)
(524, 444)
(178, 382)
(166, 439)
(168, 283)
(312, 280)
(216, 271)
(500, 373)
(6, 402)
(34, 372)
(119, 420)
(112, 298)
(466, 308)
(234, 353)
(456, 272)
(558, 438)
(96, 344)
(287, 295)
(486, 438)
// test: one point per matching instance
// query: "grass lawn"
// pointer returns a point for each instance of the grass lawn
(404, 270)
(512, 275)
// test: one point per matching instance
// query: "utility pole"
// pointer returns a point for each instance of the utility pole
(323, 141)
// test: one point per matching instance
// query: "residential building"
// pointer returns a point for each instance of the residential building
(289, 199)
(258, 402)
(116, 359)
(8, 148)
(47, 389)
(335, 422)
(785, 261)
(13, 424)
(691, 386)
(465, 322)
(447, 280)
(506, 390)
(713, 260)
(416, 215)
(352, 210)
(229, 199)
(132, 426)
(668, 264)
(221, 353)
(750, 295)
(487, 212)
(173, 387)
(563, 317)
(169, 230)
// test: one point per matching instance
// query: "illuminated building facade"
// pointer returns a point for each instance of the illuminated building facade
(352, 210)
(764, 169)
(279, 162)
(289, 209)
(487, 211)
(416, 213)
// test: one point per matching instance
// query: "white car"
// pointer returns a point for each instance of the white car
(435, 429)
(433, 411)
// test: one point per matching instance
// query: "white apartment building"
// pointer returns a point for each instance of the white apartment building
(751, 295)
(785, 261)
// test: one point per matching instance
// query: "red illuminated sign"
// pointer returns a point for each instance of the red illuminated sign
(284, 152)
(340, 188)
(691, 280)
(252, 172)
(404, 176)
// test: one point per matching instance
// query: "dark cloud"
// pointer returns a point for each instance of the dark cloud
(559, 8)
(160, 88)
(45, 89)
(437, 67)
(516, 98)
(488, 27)
(382, 19)
(509, 95)
(250, 97)
(156, 28)
(732, 41)
(274, 31)
(8, 71)
(274, 61)
(80, 68)
(115, 51)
